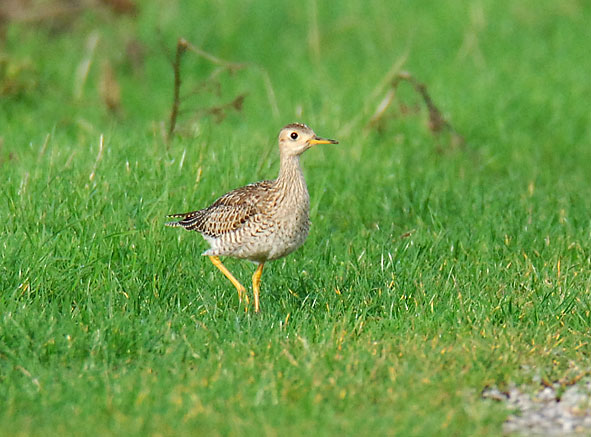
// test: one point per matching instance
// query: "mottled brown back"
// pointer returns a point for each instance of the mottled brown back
(227, 213)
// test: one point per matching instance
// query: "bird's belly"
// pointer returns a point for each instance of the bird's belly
(283, 243)
(275, 241)
(263, 240)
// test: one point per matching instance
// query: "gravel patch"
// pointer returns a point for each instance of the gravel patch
(552, 411)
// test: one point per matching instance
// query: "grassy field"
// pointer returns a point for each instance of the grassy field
(432, 270)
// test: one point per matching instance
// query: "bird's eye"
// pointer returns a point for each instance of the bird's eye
(294, 135)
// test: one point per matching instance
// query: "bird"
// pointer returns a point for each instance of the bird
(262, 221)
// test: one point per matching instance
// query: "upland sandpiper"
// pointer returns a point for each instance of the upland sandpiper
(263, 221)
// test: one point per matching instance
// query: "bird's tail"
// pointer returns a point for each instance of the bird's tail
(187, 221)
(175, 224)
(172, 224)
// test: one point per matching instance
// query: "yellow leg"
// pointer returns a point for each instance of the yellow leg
(241, 290)
(256, 283)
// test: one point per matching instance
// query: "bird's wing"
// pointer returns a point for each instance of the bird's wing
(227, 213)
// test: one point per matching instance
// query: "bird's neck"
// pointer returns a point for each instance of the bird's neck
(290, 173)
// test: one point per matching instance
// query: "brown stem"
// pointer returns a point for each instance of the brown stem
(180, 49)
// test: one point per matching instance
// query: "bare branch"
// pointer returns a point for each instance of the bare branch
(437, 123)
(180, 49)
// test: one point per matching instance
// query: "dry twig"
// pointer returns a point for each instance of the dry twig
(109, 88)
(180, 49)
(437, 123)
(224, 66)
(211, 82)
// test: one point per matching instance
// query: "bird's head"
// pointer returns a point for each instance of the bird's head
(296, 138)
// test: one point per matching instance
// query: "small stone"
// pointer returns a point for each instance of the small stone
(573, 397)
(568, 426)
(495, 394)
(548, 394)
(543, 414)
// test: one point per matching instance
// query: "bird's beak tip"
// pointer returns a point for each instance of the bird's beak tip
(318, 140)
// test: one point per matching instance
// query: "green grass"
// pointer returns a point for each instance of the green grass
(430, 272)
